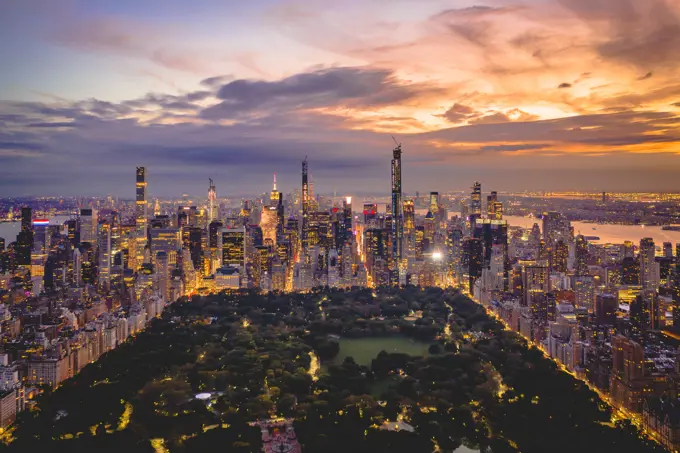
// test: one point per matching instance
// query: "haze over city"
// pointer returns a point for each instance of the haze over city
(522, 95)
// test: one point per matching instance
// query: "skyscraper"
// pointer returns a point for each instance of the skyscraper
(88, 225)
(409, 216)
(105, 258)
(476, 200)
(212, 201)
(140, 213)
(649, 277)
(25, 238)
(397, 213)
(581, 256)
(274, 195)
(434, 203)
(233, 247)
(675, 285)
(305, 208)
(555, 227)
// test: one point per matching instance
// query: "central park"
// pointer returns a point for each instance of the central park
(361, 370)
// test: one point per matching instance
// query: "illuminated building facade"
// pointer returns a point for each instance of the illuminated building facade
(233, 245)
(141, 214)
(397, 215)
(476, 201)
(212, 201)
(269, 223)
(649, 269)
(409, 216)
(304, 230)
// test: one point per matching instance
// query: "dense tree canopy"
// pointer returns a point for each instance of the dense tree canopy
(248, 356)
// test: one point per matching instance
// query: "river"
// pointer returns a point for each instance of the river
(9, 230)
(608, 234)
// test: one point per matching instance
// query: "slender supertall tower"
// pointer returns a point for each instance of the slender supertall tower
(141, 214)
(274, 195)
(397, 210)
(212, 202)
(305, 207)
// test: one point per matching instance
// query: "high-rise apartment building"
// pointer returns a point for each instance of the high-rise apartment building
(397, 217)
(476, 200)
(304, 227)
(212, 201)
(649, 269)
(141, 214)
(104, 254)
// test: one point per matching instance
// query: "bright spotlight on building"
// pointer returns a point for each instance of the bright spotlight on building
(437, 256)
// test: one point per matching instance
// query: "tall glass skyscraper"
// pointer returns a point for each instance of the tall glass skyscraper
(141, 213)
(397, 211)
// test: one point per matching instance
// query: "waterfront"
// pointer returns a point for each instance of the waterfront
(9, 230)
(608, 234)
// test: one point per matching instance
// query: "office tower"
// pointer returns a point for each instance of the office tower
(491, 232)
(476, 200)
(73, 231)
(649, 278)
(187, 216)
(473, 260)
(668, 250)
(630, 271)
(24, 243)
(561, 258)
(88, 225)
(376, 249)
(434, 203)
(269, 223)
(141, 214)
(555, 227)
(409, 216)
(213, 233)
(628, 249)
(191, 239)
(320, 231)
(397, 214)
(675, 285)
(41, 237)
(162, 271)
(280, 216)
(304, 230)
(212, 201)
(494, 208)
(370, 215)
(491, 204)
(429, 227)
(104, 252)
(274, 195)
(347, 218)
(606, 305)
(233, 243)
(581, 256)
(166, 240)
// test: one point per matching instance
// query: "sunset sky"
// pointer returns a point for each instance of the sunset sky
(533, 94)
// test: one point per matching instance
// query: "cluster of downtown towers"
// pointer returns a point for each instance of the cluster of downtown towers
(270, 244)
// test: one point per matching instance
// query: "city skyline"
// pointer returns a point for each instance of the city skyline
(534, 95)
